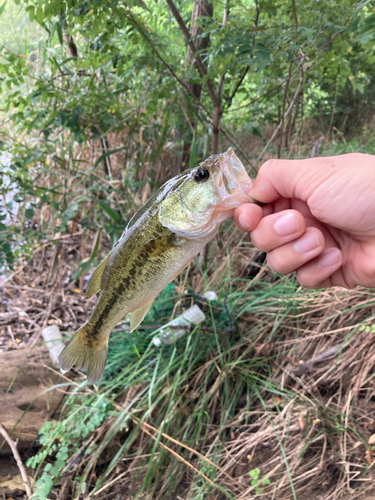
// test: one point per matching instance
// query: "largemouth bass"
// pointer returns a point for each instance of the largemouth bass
(163, 237)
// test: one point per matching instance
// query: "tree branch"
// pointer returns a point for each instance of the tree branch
(198, 61)
(17, 458)
(282, 121)
(295, 14)
(239, 83)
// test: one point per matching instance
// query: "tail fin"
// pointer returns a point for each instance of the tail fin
(85, 353)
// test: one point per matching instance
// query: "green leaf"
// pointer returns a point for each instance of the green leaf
(54, 471)
(362, 4)
(39, 15)
(110, 211)
(31, 14)
(29, 213)
(2, 8)
(59, 33)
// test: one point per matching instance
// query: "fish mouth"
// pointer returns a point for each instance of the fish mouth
(234, 183)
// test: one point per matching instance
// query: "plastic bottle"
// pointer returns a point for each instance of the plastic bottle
(53, 339)
(192, 316)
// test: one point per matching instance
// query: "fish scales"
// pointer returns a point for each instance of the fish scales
(160, 240)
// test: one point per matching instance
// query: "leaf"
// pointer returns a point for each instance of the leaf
(108, 153)
(14, 483)
(371, 439)
(362, 4)
(2, 8)
(39, 15)
(368, 456)
(110, 211)
(59, 33)
(29, 213)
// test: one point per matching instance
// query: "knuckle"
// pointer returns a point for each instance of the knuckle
(268, 165)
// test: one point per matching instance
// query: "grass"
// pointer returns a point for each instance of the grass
(272, 397)
(194, 420)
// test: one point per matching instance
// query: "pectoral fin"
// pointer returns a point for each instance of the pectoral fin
(95, 283)
(138, 315)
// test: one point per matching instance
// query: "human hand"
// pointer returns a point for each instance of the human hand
(319, 219)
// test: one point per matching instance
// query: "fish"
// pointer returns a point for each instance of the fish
(160, 240)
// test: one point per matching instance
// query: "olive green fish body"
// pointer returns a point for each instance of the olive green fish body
(137, 270)
(164, 235)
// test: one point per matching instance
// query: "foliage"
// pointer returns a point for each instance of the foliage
(82, 74)
(177, 415)
(255, 482)
(97, 111)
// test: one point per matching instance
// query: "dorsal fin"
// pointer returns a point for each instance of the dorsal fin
(138, 315)
(95, 283)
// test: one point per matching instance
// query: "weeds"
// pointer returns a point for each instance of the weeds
(221, 414)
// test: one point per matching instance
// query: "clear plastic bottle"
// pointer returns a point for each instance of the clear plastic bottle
(54, 342)
(192, 316)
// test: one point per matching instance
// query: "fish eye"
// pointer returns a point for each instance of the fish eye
(202, 175)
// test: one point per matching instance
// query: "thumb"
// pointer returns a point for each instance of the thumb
(291, 178)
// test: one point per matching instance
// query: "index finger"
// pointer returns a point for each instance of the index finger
(292, 178)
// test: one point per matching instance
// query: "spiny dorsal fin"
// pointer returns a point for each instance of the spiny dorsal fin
(138, 315)
(95, 283)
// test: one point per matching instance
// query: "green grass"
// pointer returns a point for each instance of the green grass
(165, 422)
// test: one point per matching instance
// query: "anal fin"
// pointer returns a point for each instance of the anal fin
(95, 283)
(138, 315)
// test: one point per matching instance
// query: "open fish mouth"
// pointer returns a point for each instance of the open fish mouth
(196, 209)
(233, 182)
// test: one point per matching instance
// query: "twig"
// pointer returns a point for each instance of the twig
(199, 63)
(309, 365)
(295, 14)
(18, 460)
(181, 458)
(117, 478)
(64, 488)
(179, 443)
(157, 53)
(239, 83)
(281, 123)
(316, 147)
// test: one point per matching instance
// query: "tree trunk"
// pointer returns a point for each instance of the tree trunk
(201, 8)
(218, 106)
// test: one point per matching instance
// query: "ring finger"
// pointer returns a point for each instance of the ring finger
(287, 258)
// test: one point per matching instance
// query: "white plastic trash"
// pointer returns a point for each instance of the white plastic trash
(210, 295)
(53, 339)
(192, 316)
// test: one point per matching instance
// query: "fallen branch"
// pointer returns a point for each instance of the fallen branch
(18, 460)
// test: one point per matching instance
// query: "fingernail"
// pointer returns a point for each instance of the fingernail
(329, 257)
(309, 241)
(244, 223)
(287, 224)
